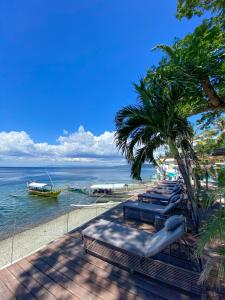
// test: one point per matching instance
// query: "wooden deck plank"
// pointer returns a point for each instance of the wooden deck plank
(107, 275)
(61, 279)
(4, 290)
(20, 292)
(62, 271)
(73, 248)
(103, 289)
(121, 280)
(57, 290)
(33, 286)
(115, 273)
(133, 281)
(95, 282)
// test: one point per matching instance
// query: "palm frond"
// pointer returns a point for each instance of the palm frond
(143, 154)
(165, 48)
(213, 227)
(208, 198)
(126, 112)
(214, 271)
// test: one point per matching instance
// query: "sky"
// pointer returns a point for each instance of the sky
(66, 68)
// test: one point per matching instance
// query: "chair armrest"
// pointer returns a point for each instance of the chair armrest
(159, 222)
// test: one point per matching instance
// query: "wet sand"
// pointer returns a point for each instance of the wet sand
(28, 241)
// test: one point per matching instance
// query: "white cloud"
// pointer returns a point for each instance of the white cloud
(79, 146)
(15, 143)
(65, 131)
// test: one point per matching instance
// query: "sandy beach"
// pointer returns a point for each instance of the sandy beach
(28, 241)
(32, 239)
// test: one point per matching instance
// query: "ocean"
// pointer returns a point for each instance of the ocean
(20, 211)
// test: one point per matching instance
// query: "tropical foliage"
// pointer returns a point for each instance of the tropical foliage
(189, 80)
(213, 231)
(156, 121)
(197, 63)
(212, 137)
(221, 178)
(189, 8)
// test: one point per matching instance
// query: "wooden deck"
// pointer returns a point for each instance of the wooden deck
(62, 271)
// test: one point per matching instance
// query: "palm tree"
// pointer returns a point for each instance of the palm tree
(155, 122)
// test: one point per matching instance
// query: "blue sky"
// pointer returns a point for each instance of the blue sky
(70, 63)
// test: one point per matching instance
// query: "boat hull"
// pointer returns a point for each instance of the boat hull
(53, 194)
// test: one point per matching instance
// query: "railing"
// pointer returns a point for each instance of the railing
(24, 240)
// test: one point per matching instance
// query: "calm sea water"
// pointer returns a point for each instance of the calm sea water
(23, 210)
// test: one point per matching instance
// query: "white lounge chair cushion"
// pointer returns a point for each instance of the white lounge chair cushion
(119, 236)
(163, 239)
(140, 243)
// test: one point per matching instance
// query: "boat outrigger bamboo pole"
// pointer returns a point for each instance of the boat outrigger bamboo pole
(50, 179)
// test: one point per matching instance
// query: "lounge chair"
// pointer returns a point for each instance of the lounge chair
(142, 252)
(165, 190)
(146, 212)
(169, 183)
(163, 197)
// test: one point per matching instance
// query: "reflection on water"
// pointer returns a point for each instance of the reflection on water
(31, 210)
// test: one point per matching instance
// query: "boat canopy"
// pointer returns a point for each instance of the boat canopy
(37, 185)
(108, 186)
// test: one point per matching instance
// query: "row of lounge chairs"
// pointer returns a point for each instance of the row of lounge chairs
(154, 204)
(164, 255)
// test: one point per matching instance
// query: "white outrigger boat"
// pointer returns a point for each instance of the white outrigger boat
(109, 189)
(101, 190)
(42, 189)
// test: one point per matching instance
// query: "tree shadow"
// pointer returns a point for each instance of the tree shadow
(62, 270)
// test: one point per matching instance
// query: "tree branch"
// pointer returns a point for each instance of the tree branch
(207, 108)
(209, 90)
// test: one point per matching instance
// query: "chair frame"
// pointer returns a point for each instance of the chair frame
(140, 214)
(154, 267)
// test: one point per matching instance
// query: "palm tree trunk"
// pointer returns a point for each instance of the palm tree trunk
(187, 182)
(193, 177)
(191, 173)
(186, 163)
(189, 190)
(197, 185)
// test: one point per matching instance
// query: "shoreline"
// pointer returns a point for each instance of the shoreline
(21, 228)
(29, 240)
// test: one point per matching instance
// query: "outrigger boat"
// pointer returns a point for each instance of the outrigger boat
(109, 190)
(42, 189)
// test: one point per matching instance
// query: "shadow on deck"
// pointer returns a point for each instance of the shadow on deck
(62, 271)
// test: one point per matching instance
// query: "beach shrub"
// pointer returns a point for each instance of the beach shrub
(199, 172)
(221, 178)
